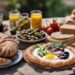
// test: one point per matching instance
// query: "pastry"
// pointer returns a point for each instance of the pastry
(8, 46)
(4, 61)
(50, 56)
(67, 29)
(8, 49)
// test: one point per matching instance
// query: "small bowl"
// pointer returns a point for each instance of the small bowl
(26, 43)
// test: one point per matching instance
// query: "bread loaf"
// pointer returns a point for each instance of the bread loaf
(67, 29)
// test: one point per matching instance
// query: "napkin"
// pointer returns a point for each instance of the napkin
(28, 70)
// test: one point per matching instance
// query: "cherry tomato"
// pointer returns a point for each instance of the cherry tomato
(49, 30)
(54, 25)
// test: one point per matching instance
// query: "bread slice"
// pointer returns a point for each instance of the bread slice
(67, 29)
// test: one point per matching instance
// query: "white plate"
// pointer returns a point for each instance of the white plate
(17, 59)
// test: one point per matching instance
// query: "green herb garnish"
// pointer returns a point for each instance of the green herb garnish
(57, 44)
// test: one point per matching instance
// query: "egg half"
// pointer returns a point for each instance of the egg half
(50, 56)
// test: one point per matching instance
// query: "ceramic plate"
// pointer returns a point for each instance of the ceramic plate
(16, 59)
(32, 41)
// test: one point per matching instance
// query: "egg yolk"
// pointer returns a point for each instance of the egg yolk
(50, 56)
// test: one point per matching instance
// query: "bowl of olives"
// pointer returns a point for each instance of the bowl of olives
(31, 35)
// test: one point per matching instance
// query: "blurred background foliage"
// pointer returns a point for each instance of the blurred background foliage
(50, 8)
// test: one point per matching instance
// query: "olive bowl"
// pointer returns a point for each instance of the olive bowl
(26, 43)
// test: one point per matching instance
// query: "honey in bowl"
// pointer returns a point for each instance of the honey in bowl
(36, 19)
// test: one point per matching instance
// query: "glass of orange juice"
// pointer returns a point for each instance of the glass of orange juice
(14, 17)
(36, 19)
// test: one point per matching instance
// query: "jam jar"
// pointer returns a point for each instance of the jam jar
(24, 22)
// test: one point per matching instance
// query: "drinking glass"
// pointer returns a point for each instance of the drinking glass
(36, 19)
(14, 16)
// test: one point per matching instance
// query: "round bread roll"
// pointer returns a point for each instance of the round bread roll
(73, 12)
(73, 17)
(70, 20)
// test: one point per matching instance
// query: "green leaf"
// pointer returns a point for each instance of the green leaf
(40, 53)
(40, 46)
(57, 44)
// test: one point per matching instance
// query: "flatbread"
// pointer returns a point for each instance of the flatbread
(32, 60)
(66, 41)
(60, 36)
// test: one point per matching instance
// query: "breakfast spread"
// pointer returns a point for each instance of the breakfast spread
(8, 49)
(56, 53)
(53, 54)
(50, 55)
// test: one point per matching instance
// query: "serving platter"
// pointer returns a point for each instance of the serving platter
(15, 60)
(33, 59)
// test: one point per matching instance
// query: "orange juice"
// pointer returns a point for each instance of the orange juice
(13, 18)
(36, 19)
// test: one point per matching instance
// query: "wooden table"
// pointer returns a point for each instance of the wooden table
(28, 70)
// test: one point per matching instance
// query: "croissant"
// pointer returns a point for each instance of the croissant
(8, 46)
(4, 61)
